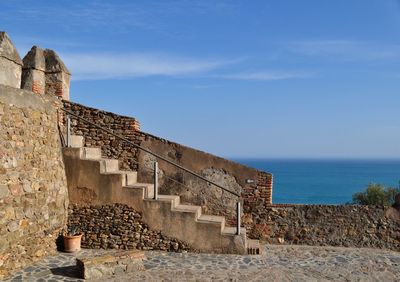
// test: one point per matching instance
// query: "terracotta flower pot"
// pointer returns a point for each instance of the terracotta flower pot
(72, 244)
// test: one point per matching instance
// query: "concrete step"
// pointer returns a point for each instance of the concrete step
(212, 219)
(77, 141)
(130, 177)
(175, 200)
(91, 153)
(229, 230)
(147, 187)
(108, 165)
(188, 209)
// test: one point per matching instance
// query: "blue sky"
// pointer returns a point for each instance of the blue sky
(266, 79)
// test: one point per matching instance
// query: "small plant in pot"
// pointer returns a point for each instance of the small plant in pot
(72, 240)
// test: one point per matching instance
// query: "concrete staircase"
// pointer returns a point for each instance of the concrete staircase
(93, 180)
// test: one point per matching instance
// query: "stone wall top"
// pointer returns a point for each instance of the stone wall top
(54, 63)
(24, 99)
(8, 50)
(35, 59)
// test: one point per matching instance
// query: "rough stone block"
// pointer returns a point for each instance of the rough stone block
(4, 192)
(33, 71)
(114, 263)
(10, 62)
(57, 75)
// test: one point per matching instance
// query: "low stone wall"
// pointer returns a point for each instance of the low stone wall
(254, 186)
(33, 188)
(119, 227)
(346, 225)
(111, 147)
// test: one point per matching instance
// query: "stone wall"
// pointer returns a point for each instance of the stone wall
(254, 186)
(345, 225)
(119, 227)
(10, 62)
(33, 188)
(111, 147)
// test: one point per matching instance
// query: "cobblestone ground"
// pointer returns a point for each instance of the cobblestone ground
(277, 263)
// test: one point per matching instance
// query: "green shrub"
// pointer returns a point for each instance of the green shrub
(376, 194)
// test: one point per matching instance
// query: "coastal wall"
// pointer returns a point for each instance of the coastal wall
(323, 225)
(254, 186)
(119, 227)
(33, 188)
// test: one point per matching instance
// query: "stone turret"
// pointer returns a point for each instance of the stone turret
(10, 62)
(33, 71)
(57, 75)
(45, 72)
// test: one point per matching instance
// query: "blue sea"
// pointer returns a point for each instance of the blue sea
(325, 181)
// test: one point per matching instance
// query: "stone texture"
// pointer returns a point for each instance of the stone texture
(45, 72)
(10, 62)
(278, 263)
(110, 264)
(57, 75)
(34, 210)
(119, 227)
(347, 225)
(111, 147)
(33, 71)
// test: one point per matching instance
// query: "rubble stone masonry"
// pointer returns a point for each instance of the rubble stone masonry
(119, 227)
(33, 188)
(327, 225)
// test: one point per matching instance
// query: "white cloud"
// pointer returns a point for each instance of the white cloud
(268, 75)
(347, 49)
(111, 66)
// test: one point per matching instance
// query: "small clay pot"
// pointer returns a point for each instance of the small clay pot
(72, 244)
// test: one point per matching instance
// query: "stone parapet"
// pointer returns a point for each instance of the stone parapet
(45, 72)
(10, 62)
(327, 225)
(34, 71)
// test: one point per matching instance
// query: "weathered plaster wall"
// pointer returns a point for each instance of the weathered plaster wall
(10, 62)
(119, 227)
(255, 195)
(226, 173)
(345, 225)
(33, 188)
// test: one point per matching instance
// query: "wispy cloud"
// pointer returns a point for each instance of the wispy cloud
(268, 75)
(347, 49)
(110, 15)
(114, 66)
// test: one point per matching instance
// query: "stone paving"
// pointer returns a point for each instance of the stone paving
(277, 263)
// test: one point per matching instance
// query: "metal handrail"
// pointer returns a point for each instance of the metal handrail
(150, 152)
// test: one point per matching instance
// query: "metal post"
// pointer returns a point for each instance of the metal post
(68, 131)
(155, 180)
(238, 218)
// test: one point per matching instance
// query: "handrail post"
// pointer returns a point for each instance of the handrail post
(155, 180)
(68, 131)
(238, 217)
